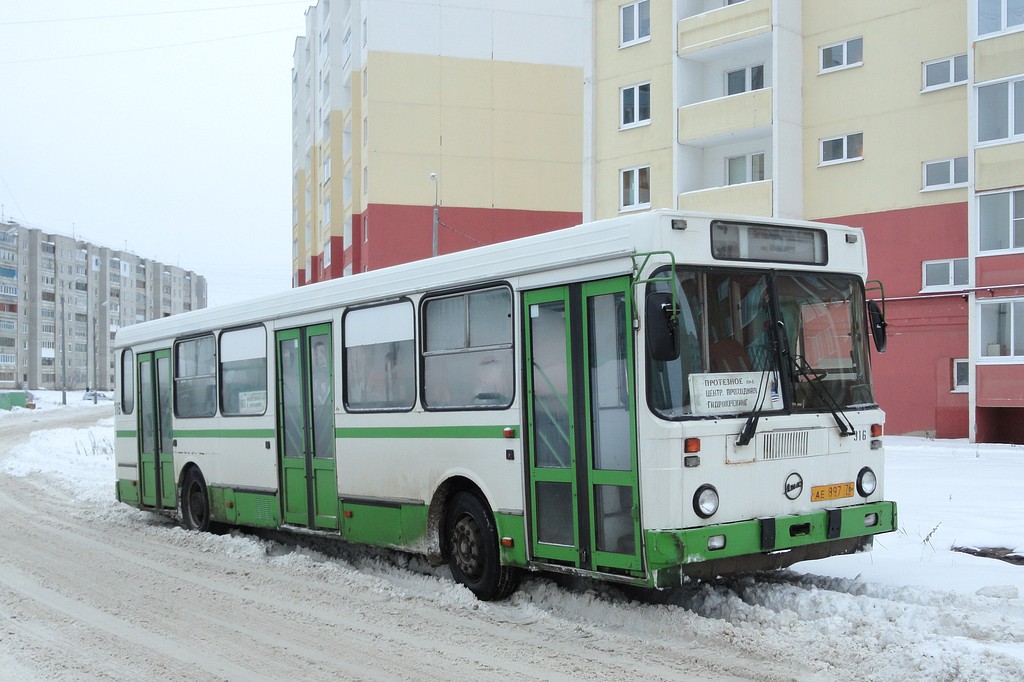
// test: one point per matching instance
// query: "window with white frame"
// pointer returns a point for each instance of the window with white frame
(635, 22)
(995, 16)
(636, 188)
(635, 106)
(945, 274)
(327, 168)
(841, 149)
(1001, 221)
(745, 168)
(842, 55)
(961, 375)
(1002, 329)
(943, 73)
(327, 253)
(1001, 110)
(744, 80)
(944, 173)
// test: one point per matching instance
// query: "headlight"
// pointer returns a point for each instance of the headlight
(705, 501)
(866, 482)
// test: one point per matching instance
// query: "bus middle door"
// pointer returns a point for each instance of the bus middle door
(305, 409)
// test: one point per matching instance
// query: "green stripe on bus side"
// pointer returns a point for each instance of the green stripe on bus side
(131, 433)
(420, 432)
(224, 433)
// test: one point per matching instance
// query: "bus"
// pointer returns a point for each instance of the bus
(648, 399)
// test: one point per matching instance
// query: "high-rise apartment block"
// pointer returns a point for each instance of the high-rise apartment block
(62, 299)
(401, 106)
(906, 119)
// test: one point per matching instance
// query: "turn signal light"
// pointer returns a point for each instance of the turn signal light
(507, 542)
(876, 430)
(691, 445)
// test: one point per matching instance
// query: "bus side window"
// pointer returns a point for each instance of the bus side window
(380, 358)
(243, 371)
(467, 356)
(127, 382)
(195, 378)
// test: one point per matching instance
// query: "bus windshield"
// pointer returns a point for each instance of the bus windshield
(762, 341)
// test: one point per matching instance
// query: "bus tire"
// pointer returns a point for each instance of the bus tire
(472, 549)
(195, 502)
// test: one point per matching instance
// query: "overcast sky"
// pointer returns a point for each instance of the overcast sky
(163, 127)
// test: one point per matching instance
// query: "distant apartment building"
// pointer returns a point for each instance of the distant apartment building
(906, 119)
(62, 299)
(472, 106)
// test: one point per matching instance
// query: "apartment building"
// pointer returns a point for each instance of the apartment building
(906, 119)
(62, 299)
(431, 126)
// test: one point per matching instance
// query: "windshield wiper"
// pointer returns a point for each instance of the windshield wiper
(750, 426)
(812, 377)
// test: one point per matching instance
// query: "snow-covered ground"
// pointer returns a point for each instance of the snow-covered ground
(911, 609)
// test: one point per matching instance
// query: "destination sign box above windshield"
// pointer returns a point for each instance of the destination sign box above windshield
(764, 243)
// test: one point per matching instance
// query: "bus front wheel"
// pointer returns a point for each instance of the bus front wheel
(473, 556)
(195, 502)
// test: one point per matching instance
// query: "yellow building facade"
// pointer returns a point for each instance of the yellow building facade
(401, 106)
(906, 119)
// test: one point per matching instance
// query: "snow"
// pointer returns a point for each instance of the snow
(927, 610)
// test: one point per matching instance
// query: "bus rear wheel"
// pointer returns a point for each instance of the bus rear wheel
(473, 556)
(195, 502)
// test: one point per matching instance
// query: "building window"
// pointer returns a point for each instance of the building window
(961, 376)
(999, 15)
(1001, 221)
(636, 105)
(945, 274)
(842, 55)
(746, 168)
(1001, 110)
(327, 254)
(327, 211)
(841, 149)
(1002, 329)
(636, 22)
(942, 73)
(744, 80)
(636, 188)
(945, 173)
(327, 169)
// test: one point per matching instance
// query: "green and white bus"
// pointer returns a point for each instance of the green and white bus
(642, 399)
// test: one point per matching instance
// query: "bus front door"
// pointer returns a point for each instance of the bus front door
(156, 458)
(305, 429)
(581, 433)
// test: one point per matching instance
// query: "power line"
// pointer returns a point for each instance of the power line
(153, 47)
(150, 14)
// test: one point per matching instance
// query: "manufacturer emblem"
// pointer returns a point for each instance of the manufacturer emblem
(794, 485)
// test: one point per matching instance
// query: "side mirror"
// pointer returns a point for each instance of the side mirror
(661, 316)
(876, 320)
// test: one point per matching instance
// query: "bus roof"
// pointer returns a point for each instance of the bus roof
(614, 239)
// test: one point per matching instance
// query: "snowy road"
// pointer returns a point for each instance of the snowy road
(90, 589)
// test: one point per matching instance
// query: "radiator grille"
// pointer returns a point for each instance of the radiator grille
(791, 444)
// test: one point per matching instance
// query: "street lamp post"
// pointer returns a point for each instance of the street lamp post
(433, 178)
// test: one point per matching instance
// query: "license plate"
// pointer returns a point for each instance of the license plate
(836, 491)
